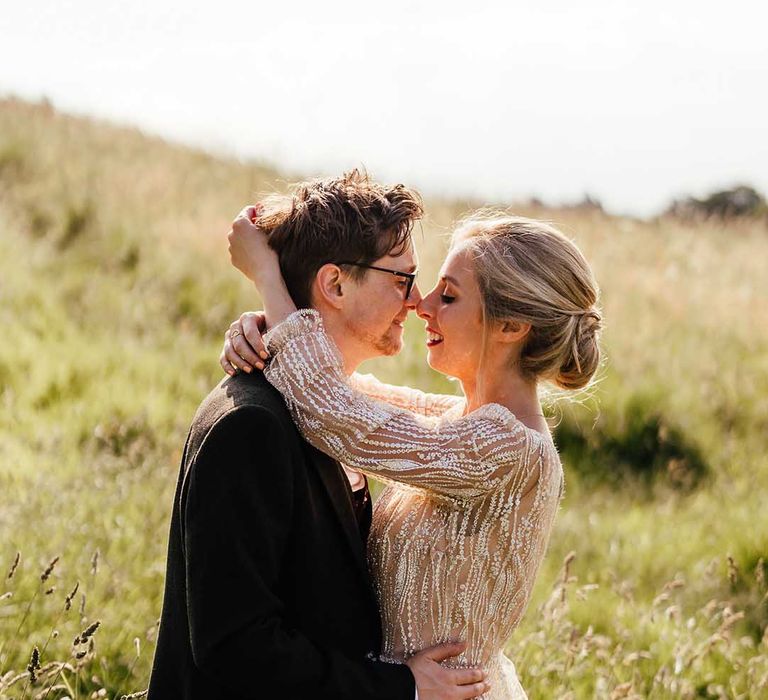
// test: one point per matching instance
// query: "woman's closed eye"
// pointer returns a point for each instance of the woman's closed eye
(446, 299)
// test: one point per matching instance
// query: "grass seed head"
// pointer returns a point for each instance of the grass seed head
(34, 665)
(46, 574)
(87, 633)
(70, 597)
(15, 565)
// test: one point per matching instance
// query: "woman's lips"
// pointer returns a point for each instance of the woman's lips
(433, 338)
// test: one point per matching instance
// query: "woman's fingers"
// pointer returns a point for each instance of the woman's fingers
(243, 344)
(253, 325)
(238, 350)
(466, 692)
(231, 356)
(251, 212)
(243, 350)
(226, 365)
(235, 359)
(467, 676)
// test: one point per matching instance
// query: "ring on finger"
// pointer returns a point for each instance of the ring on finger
(233, 334)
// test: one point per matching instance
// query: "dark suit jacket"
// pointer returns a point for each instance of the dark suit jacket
(267, 593)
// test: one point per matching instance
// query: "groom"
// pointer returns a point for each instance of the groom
(267, 593)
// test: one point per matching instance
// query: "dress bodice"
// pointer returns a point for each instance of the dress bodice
(460, 530)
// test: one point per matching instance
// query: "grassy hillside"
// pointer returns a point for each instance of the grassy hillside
(114, 291)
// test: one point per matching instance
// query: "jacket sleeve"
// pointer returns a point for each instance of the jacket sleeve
(467, 457)
(237, 517)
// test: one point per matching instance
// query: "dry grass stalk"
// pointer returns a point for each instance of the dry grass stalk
(14, 566)
(49, 570)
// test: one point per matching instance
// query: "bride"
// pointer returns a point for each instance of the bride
(474, 482)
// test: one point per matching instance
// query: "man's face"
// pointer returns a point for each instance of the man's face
(377, 306)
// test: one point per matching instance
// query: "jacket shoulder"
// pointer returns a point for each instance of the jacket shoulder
(241, 391)
(235, 394)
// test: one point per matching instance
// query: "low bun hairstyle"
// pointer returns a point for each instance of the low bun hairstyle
(529, 271)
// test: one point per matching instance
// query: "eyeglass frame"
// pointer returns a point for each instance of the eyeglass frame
(410, 276)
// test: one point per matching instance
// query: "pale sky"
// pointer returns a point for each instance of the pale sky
(634, 103)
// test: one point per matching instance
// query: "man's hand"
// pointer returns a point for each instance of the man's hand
(434, 682)
(243, 345)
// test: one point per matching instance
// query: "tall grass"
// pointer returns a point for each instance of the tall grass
(114, 291)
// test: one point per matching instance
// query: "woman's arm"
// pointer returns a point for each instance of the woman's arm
(414, 400)
(465, 458)
(244, 349)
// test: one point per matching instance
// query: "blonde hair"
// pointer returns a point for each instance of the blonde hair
(528, 271)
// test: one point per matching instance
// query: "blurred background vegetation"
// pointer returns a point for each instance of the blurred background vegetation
(115, 289)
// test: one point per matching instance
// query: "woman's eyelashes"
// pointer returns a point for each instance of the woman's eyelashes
(446, 299)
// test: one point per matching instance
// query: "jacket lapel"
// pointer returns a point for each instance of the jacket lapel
(337, 487)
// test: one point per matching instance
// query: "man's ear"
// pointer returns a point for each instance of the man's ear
(328, 287)
(512, 331)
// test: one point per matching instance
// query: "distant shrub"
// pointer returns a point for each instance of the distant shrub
(13, 163)
(66, 224)
(130, 257)
(77, 219)
(129, 439)
(637, 443)
(64, 389)
(588, 203)
(39, 221)
(741, 201)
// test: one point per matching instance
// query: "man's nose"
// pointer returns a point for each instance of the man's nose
(414, 298)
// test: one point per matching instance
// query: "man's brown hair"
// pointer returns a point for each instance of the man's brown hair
(343, 219)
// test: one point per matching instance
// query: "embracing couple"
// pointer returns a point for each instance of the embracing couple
(283, 580)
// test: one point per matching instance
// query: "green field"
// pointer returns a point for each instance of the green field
(115, 288)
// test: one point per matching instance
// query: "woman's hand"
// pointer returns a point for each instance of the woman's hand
(249, 249)
(243, 345)
(250, 253)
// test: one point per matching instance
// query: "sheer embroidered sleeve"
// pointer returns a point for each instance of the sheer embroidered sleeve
(467, 457)
(414, 400)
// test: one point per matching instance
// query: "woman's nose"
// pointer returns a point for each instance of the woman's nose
(423, 308)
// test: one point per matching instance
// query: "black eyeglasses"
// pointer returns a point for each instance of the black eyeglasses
(410, 276)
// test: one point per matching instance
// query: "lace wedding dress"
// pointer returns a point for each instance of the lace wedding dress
(460, 530)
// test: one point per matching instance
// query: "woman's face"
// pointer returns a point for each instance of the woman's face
(454, 316)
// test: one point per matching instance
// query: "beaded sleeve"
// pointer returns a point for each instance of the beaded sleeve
(465, 458)
(414, 400)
